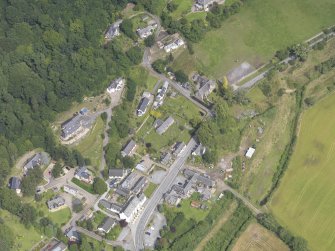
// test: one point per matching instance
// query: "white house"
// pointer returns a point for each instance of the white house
(116, 85)
(133, 208)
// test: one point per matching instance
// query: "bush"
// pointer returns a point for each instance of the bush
(99, 186)
(150, 41)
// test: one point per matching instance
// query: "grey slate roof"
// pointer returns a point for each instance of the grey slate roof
(73, 124)
(139, 185)
(117, 172)
(158, 123)
(14, 183)
(178, 148)
(107, 224)
(37, 160)
(54, 245)
(128, 148)
(166, 158)
(166, 124)
(55, 202)
(143, 105)
(83, 173)
(123, 192)
(72, 233)
(110, 206)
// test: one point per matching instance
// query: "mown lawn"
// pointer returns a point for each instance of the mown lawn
(61, 216)
(91, 146)
(254, 34)
(305, 201)
(25, 238)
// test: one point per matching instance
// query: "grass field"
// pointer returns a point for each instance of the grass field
(91, 146)
(184, 7)
(25, 238)
(254, 34)
(305, 199)
(85, 186)
(257, 238)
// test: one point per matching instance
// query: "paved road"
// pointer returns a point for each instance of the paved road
(262, 75)
(139, 226)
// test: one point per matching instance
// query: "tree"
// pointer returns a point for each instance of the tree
(135, 55)
(57, 170)
(171, 6)
(159, 65)
(31, 180)
(104, 116)
(77, 206)
(128, 162)
(99, 186)
(181, 76)
(150, 41)
(127, 28)
(210, 156)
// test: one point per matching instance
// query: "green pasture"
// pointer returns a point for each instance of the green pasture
(91, 146)
(305, 199)
(25, 238)
(256, 33)
(184, 7)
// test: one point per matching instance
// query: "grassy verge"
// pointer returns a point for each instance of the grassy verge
(150, 190)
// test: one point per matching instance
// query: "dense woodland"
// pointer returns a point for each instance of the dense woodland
(52, 53)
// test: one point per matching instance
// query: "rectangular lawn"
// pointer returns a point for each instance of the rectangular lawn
(305, 199)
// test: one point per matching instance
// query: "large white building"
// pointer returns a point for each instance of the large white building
(133, 208)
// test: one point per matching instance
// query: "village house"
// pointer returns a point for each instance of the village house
(124, 192)
(139, 185)
(204, 86)
(128, 150)
(117, 173)
(54, 245)
(112, 207)
(161, 93)
(56, 203)
(130, 181)
(116, 85)
(142, 107)
(78, 125)
(113, 30)
(204, 4)
(83, 174)
(174, 45)
(133, 207)
(178, 148)
(165, 125)
(146, 31)
(107, 224)
(72, 234)
(38, 159)
(166, 158)
(70, 190)
(15, 184)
